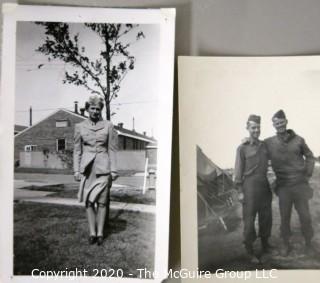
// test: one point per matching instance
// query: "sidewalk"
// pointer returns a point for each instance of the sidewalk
(24, 181)
(22, 191)
(133, 207)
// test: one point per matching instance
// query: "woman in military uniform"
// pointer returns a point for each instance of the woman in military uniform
(95, 145)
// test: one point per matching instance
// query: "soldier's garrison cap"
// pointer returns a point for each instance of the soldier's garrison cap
(279, 115)
(254, 118)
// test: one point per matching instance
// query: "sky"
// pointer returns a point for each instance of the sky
(42, 88)
(223, 92)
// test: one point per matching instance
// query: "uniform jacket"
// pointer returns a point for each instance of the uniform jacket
(95, 142)
(250, 159)
(291, 158)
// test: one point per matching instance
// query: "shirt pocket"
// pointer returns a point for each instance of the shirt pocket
(252, 160)
(87, 138)
(102, 136)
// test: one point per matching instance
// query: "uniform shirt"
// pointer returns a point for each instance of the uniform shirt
(251, 159)
(291, 158)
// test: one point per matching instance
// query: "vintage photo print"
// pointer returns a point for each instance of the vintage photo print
(85, 175)
(250, 171)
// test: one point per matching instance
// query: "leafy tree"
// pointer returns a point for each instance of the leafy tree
(102, 75)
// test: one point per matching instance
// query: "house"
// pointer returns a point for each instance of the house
(49, 143)
(19, 128)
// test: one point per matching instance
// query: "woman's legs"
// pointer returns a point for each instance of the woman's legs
(103, 209)
(91, 215)
(97, 217)
(101, 218)
(96, 220)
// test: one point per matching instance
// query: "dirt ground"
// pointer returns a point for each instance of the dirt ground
(224, 249)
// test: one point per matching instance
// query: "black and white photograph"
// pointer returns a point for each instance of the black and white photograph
(256, 165)
(90, 92)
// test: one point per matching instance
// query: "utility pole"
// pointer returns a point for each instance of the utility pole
(133, 124)
(30, 116)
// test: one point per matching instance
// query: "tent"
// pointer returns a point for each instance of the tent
(215, 190)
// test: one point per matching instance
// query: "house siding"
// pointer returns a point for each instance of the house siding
(45, 134)
(128, 143)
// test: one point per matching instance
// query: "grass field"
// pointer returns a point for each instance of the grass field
(221, 249)
(54, 237)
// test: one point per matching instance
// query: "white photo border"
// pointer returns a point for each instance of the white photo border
(12, 13)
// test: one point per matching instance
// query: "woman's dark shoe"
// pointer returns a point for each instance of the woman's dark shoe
(92, 240)
(99, 240)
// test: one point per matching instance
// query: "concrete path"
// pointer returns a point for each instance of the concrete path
(21, 189)
(24, 181)
(26, 194)
(44, 178)
(19, 184)
(133, 207)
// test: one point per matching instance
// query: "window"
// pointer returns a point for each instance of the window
(124, 142)
(62, 124)
(61, 144)
(30, 147)
(135, 144)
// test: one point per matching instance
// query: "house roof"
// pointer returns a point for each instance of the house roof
(131, 133)
(27, 129)
(19, 128)
(121, 131)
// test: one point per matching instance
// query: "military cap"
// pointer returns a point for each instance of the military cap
(254, 118)
(280, 115)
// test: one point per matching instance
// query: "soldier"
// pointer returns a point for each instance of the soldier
(251, 179)
(293, 163)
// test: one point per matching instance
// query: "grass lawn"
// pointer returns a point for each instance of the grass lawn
(54, 237)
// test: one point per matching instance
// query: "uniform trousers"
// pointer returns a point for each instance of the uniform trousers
(297, 195)
(257, 201)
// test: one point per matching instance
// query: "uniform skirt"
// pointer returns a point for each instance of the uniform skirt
(93, 187)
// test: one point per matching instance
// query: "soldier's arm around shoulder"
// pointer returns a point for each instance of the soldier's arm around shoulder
(309, 158)
(267, 143)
